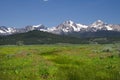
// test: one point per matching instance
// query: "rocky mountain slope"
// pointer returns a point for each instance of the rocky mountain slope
(66, 27)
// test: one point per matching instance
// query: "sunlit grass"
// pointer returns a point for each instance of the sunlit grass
(59, 62)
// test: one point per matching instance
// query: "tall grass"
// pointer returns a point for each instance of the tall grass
(60, 62)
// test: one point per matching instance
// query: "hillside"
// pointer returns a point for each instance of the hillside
(37, 37)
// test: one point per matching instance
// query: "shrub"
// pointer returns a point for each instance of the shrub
(19, 43)
(107, 49)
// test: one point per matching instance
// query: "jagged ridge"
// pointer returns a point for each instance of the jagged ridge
(63, 28)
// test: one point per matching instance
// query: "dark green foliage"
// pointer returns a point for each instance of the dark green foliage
(101, 37)
(38, 37)
(99, 34)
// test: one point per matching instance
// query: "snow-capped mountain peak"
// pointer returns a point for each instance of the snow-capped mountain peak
(69, 22)
(11, 30)
(40, 27)
(98, 23)
(4, 30)
(63, 28)
(68, 27)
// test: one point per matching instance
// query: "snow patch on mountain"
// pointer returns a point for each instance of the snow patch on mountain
(63, 28)
(99, 25)
(68, 27)
(1, 31)
(109, 28)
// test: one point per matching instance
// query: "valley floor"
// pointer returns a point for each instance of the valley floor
(60, 62)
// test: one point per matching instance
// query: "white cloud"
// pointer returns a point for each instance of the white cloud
(45, 0)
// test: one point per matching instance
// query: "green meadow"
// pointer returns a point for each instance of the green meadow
(60, 62)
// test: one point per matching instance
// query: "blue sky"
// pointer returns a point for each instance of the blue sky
(19, 13)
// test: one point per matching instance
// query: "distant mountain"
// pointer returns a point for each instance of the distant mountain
(36, 27)
(66, 28)
(6, 31)
(99, 25)
(69, 27)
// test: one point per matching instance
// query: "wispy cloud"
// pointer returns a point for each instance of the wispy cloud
(45, 0)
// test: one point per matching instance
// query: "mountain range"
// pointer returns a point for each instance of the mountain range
(66, 28)
(66, 32)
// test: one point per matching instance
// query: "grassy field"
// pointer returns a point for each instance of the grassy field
(60, 62)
